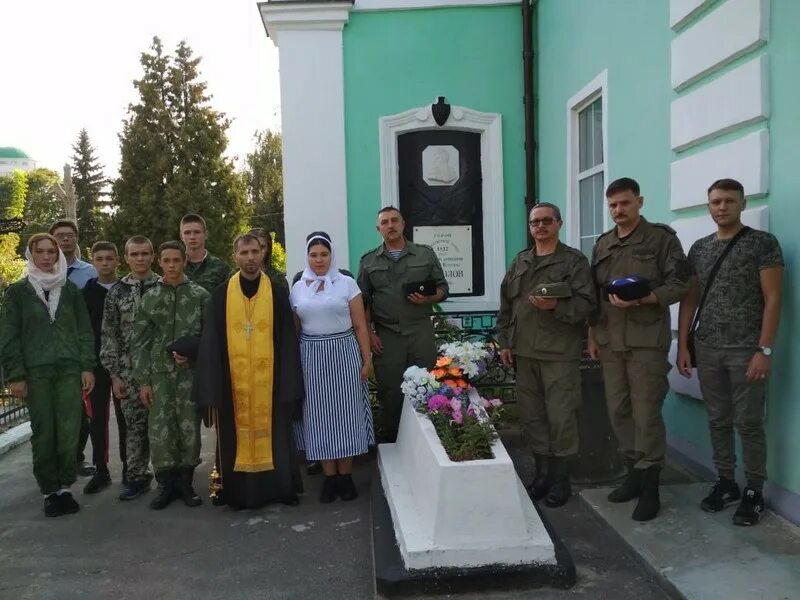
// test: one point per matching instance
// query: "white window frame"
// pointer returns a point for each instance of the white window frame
(596, 88)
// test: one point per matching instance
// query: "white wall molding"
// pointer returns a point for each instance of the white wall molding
(734, 29)
(366, 5)
(735, 99)
(682, 11)
(309, 40)
(597, 87)
(489, 125)
(745, 159)
(280, 15)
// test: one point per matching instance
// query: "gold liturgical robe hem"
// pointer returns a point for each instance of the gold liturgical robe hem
(251, 358)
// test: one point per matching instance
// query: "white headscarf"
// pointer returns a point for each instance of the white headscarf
(318, 280)
(52, 283)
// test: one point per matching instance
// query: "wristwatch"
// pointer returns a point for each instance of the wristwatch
(765, 350)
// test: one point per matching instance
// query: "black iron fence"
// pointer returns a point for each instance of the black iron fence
(12, 410)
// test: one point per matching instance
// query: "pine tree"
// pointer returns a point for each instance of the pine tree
(172, 149)
(264, 178)
(90, 183)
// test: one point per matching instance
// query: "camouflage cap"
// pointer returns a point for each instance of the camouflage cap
(558, 289)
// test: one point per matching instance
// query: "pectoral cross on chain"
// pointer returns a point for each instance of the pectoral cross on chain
(248, 329)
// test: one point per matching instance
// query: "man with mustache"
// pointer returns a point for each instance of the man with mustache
(400, 324)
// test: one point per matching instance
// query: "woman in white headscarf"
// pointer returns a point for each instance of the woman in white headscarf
(335, 353)
(47, 353)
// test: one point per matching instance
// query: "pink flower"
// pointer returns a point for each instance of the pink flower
(457, 391)
(458, 417)
(485, 403)
(437, 402)
(455, 404)
(495, 402)
(471, 411)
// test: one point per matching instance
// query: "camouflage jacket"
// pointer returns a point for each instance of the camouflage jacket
(381, 280)
(209, 272)
(117, 328)
(654, 252)
(546, 334)
(29, 340)
(165, 314)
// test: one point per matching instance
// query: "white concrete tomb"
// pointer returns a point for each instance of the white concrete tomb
(457, 514)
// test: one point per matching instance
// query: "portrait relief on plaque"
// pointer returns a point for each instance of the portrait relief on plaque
(440, 165)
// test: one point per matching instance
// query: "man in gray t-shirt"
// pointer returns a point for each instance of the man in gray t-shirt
(733, 344)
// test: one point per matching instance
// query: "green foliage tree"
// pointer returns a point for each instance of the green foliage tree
(13, 188)
(172, 161)
(264, 178)
(42, 205)
(90, 184)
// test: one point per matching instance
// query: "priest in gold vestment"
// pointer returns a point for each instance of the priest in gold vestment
(248, 381)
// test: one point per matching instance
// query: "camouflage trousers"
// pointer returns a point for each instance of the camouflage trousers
(173, 423)
(137, 444)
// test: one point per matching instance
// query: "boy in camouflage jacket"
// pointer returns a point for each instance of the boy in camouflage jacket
(172, 309)
(116, 357)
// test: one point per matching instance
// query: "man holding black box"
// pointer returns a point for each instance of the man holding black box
(400, 282)
(545, 298)
(639, 270)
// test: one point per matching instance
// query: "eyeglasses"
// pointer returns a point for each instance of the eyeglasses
(547, 221)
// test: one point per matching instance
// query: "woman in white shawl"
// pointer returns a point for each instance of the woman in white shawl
(335, 353)
(47, 353)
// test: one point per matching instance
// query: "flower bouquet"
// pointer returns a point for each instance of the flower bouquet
(463, 420)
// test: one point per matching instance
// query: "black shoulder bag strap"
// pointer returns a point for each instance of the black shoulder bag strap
(711, 276)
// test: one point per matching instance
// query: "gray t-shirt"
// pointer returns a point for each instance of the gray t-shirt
(731, 316)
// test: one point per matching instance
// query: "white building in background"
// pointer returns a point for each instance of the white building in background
(14, 158)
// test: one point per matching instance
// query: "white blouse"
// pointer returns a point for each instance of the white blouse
(327, 311)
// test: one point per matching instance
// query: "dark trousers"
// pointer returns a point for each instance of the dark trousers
(101, 394)
(418, 347)
(636, 384)
(54, 405)
(733, 403)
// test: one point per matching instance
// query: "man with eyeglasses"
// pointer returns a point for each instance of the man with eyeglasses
(79, 272)
(545, 298)
(631, 336)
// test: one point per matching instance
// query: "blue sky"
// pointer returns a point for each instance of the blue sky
(68, 65)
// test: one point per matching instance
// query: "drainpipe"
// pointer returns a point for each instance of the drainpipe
(528, 14)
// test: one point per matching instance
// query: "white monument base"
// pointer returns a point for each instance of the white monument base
(457, 514)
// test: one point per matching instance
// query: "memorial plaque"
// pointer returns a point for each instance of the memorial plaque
(453, 246)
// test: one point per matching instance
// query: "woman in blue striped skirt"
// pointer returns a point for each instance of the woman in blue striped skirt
(335, 353)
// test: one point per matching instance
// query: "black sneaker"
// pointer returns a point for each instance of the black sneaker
(67, 503)
(724, 492)
(750, 508)
(99, 482)
(85, 469)
(51, 506)
(134, 489)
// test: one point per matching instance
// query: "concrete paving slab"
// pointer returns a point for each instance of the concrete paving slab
(120, 551)
(703, 556)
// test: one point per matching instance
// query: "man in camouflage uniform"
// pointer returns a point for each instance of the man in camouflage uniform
(115, 355)
(545, 298)
(632, 338)
(401, 327)
(201, 267)
(171, 311)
